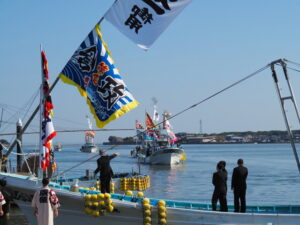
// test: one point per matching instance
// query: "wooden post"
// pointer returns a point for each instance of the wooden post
(87, 174)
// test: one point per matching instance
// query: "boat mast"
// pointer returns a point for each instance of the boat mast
(41, 106)
(282, 99)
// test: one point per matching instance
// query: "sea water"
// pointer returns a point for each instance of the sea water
(273, 175)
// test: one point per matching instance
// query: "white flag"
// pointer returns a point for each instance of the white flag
(143, 21)
(155, 114)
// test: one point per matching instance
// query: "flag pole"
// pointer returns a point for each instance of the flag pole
(40, 175)
(11, 147)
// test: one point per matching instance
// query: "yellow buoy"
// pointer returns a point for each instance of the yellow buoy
(87, 197)
(140, 194)
(146, 201)
(110, 208)
(146, 206)
(100, 196)
(147, 212)
(162, 221)
(163, 215)
(161, 203)
(102, 203)
(129, 193)
(87, 210)
(108, 201)
(89, 203)
(94, 197)
(95, 204)
(161, 209)
(147, 219)
(96, 213)
(107, 195)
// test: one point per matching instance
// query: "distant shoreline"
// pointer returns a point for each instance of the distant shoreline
(207, 143)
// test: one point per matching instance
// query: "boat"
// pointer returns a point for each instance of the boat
(89, 146)
(58, 147)
(157, 146)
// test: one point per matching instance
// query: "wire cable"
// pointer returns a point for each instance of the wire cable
(177, 114)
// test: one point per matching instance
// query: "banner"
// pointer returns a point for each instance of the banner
(47, 129)
(92, 70)
(171, 134)
(143, 21)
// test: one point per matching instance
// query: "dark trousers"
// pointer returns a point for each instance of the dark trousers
(105, 184)
(222, 199)
(240, 197)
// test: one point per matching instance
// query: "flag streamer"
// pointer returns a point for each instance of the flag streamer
(47, 128)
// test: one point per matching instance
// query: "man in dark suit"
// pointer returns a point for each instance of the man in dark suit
(220, 182)
(239, 186)
(105, 170)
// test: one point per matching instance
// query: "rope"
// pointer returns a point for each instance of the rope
(177, 114)
(295, 63)
(222, 90)
(80, 163)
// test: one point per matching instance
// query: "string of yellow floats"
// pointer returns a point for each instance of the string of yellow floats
(139, 183)
(101, 204)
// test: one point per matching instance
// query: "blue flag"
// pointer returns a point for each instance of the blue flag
(92, 70)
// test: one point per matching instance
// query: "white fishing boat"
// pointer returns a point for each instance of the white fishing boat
(157, 146)
(89, 146)
(159, 153)
(58, 147)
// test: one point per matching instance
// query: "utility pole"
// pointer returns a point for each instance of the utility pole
(1, 117)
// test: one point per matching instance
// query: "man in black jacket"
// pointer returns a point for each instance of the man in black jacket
(239, 186)
(105, 170)
(220, 182)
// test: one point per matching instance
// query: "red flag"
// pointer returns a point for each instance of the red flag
(151, 127)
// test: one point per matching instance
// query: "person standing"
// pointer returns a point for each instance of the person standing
(2, 202)
(239, 186)
(106, 172)
(219, 180)
(45, 203)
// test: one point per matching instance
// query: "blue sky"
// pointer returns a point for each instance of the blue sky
(210, 45)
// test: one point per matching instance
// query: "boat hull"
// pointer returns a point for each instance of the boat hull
(165, 156)
(89, 148)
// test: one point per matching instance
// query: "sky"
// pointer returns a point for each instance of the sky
(209, 46)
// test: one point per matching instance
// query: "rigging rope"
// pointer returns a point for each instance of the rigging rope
(219, 92)
(82, 162)
(177, 114)
(295, 63)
